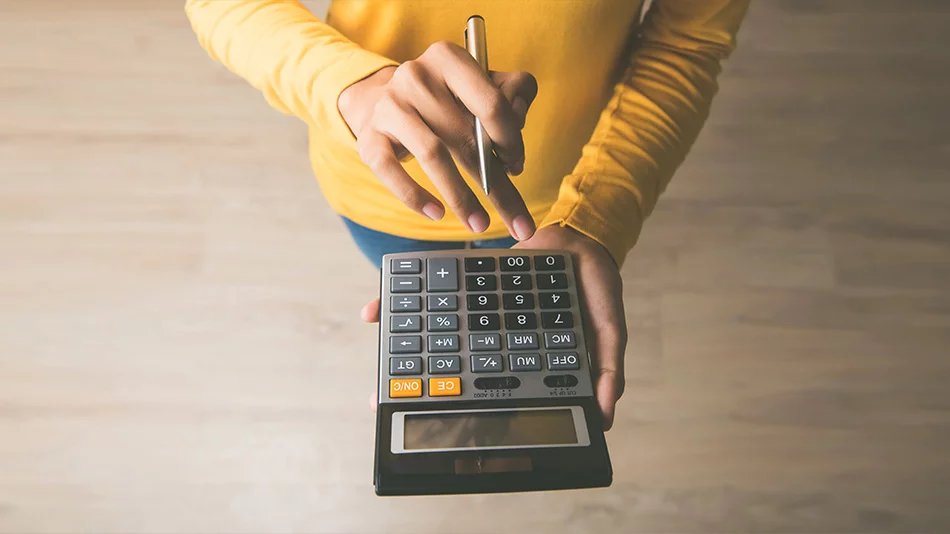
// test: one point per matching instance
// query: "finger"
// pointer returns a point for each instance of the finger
(411, 131)
(376, 151)
(372, 401)
(511, 207)
(607, 360)
(605, 321)
(520, 88)
(478, 93)
(370, 312)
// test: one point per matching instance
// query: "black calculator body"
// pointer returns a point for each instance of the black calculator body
(484, 377)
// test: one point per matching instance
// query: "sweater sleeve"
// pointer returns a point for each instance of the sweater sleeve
(651, 121)
(300, 63)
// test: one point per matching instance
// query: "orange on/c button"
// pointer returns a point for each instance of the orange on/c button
(445, 387)
(405, 387)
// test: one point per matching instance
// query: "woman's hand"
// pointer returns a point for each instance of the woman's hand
(426, 107)
(605, 323)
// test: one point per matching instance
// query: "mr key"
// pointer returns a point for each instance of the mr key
(484, 376)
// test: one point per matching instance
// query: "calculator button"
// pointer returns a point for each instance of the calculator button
(482, 302)
(442, 274)
(564, 361)
(521, 321)
(559, 340)
(405, 323)
(518, 301)
(515, 282)
(479, 265)
(558, 299)
(442, 303)
(405, 344)
(552, 281)
(486, 363)
(524, 362)
(560, 381)
(447, 322)
(448, 386)
(406, 266)
(557, 319)
(483, 342)
(444, 343)
(407, 303)
(405, 365)
(405, 284)
(484, 321)
(497, 382)
(405, 387)
(481, 282)
(525, 341)
(443, 365)
(515, 263)
(552, 262)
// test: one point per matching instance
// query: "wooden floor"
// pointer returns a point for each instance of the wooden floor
(179, 344)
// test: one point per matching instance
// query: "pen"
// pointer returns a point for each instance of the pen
(477, 46)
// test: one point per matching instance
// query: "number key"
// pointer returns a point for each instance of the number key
(557, 299)
(482, 302)
(483, 321)
(521, 321)
(515, 281)
(557, 319)
(518, 301)
(552, 281)
(549, 263)
(481, 282)
(515, 263)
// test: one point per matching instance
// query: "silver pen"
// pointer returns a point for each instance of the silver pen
(475, 43)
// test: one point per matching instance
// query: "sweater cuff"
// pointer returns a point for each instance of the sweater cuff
(579, 215)
(353, 65)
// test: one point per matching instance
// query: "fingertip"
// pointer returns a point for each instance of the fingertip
(478, 222)
(370, 312)
(523, 227)
(434, 211)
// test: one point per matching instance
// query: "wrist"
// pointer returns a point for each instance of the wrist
(356, 101)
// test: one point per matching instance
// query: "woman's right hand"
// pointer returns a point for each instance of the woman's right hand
(426, 107)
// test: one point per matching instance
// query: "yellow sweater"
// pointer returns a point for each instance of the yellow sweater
(620, 102)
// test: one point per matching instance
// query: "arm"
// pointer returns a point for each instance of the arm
(654, 116)
(300, 63)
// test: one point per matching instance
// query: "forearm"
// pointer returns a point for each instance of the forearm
(298, 62)
(649, 125)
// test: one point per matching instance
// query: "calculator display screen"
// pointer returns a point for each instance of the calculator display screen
(513, 428)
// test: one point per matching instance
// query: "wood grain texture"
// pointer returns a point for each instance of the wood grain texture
(179, 345)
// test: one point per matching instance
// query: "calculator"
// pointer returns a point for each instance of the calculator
(484, 376)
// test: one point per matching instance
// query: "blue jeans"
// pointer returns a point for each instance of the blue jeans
(375, 244)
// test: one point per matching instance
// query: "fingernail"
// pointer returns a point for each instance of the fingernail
(521, 108)
(523, 227)
(478, 222)
(433, 211)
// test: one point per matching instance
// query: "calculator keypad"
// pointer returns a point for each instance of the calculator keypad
(476, 324)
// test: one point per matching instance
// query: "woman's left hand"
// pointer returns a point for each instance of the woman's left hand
(602, 296)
